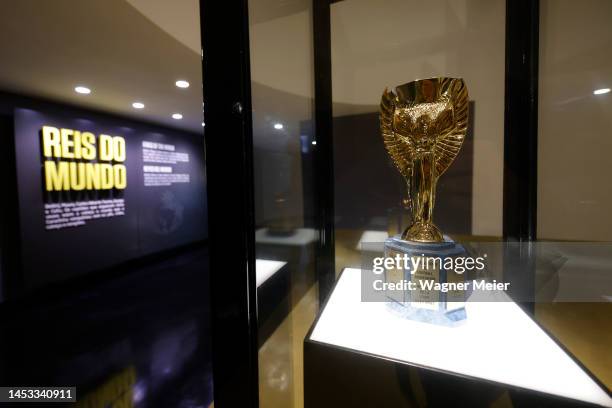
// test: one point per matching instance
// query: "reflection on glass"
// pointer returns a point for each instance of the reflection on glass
(574, 200)
(281, 71)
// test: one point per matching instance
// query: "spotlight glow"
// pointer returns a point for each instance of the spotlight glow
(181, 83)
(177, 116)
(203, 124)
(278, 126)
(138, 105)
(314, 142)
(601, 91)
(82, 90)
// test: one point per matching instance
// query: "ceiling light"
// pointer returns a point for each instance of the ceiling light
(314, 142)
(82, 90)
(177, 116)
(203, 124)
(138, 105)
(182, 83)
(278, 126)
(601, 91)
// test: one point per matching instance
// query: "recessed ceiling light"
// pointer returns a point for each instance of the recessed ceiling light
(177, 116)
(278, 126)
(203, 124)
(181, 83)
(601, 91)
(82, 90)
(138, 105)
(314, 142)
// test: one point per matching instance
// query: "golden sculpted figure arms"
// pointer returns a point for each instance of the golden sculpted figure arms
(423, 124)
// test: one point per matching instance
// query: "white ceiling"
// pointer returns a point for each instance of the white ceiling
(124, 50)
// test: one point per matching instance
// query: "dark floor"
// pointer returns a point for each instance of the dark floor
(143, 336)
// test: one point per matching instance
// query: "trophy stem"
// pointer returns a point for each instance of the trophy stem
(423, 182)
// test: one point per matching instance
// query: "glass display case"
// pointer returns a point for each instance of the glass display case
(330, 170)
(536, 337)
(284, 196)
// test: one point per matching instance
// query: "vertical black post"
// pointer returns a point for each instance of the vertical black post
(229, 155)
(324, 159)
(521, 144)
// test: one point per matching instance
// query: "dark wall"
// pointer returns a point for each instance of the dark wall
(156, 218)
(366, 183)
(369, 188)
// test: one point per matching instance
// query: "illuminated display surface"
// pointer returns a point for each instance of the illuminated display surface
(265, 269)
(498, 342)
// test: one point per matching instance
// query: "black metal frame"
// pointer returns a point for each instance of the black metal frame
(521, 148)
(229, 151)
(521, 120)
(324, 153)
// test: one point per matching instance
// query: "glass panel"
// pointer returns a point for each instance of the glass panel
(104, 268)
(282, 94)
(385, 44)
(574, 198)
(393, 306)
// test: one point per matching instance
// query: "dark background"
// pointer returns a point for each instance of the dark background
(368, 187)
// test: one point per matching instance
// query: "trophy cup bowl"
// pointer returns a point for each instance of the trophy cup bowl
(423, 124)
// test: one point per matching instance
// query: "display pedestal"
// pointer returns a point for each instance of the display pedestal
(273, 280)
(295, 251)
(359, 354)
(429, 306)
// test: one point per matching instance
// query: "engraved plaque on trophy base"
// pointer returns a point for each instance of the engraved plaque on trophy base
(425, 269)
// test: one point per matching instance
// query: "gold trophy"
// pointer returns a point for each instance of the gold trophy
(423, 124)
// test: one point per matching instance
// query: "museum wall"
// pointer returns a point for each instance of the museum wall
(73, 220)
(117, 75)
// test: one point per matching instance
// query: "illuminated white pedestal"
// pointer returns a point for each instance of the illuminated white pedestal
(265, 269)
(297, 252)
(296, 249)
(498, 344)
(273, 282)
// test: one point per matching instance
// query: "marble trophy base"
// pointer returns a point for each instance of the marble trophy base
(419, 303)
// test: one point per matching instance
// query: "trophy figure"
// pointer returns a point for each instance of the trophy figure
(423, 125)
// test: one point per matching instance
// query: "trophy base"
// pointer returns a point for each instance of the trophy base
(421, 277)
(451, 318)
